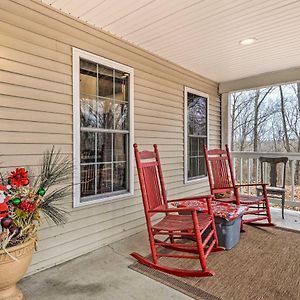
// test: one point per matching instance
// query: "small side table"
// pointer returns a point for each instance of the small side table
(228, 219)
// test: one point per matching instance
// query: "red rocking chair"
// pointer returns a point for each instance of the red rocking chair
(173, 226)
(221, 181)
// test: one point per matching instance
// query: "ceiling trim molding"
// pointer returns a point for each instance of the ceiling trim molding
(261, 80)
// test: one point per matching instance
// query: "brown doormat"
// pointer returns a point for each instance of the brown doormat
(264, 265)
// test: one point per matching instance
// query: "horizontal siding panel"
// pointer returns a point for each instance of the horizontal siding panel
(16, 43)
(51, 246)
(32, 59)
(41, 73)
(34, 138)
(158, 86)
(157, 127)
(159, 134)
(159, 141)
(34, 116)
(162, 148)
(11, 25)
(156, 93)
(32, 93)
(157, 120)
(189, 191)
(142, 96)
(35, 105)
(24, 126)
(155, 113)
(10, 149)
(74, 225)
(157, 107)
(94, 229)
(161, 81)
(28, 81)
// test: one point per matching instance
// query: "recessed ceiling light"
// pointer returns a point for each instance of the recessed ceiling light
(248, 41)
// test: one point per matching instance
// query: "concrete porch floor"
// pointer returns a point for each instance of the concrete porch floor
(104, 273)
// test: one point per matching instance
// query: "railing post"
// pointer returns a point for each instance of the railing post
(249, 172)
(257, 168)
(234, 171)
(241, 172)
(293, 180)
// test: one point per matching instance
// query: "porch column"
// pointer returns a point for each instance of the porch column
(225, 120)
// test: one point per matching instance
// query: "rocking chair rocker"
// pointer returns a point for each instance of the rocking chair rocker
(173, 226)
(221, 181)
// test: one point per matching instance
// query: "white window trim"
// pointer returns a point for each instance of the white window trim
(199, 93)
(77, 54)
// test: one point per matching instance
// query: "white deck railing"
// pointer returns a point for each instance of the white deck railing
(247, 169)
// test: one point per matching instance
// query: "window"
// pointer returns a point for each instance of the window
(195, 133)
(103, 128)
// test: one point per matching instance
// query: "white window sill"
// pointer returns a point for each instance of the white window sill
(110, 199)
(196, 180)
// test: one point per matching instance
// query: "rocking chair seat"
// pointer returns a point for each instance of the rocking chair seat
(248, 199)
(245, 199)
(181, 223)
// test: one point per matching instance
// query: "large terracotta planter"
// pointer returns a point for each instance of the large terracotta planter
(12, 271)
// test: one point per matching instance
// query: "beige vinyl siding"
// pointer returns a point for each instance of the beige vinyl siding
(36, 111)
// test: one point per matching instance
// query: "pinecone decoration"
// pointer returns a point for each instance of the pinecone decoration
(27, 206)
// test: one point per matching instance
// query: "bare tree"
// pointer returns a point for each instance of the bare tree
(259, 118)
(286, 139)
(240, 118)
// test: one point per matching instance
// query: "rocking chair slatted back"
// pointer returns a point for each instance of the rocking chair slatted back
(151, 179)
(219, 169)
(223, 187)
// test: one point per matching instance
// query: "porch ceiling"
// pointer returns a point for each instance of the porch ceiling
(202, 35)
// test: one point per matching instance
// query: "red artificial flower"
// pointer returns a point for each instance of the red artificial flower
(19, 177)
(27, 206)
(3, 187)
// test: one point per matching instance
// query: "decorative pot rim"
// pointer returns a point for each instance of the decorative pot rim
(18, 251)
(19, 246)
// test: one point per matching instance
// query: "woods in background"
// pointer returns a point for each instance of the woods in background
(267, 120)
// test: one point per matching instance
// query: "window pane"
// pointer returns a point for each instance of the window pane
(202, 141)
(88, 78)
(202, 167)
(104, 147)
(104, 178)
(105, 82)
(197, 109)
(88, 112)
(120, 176)
(105, 117)
(193, 146)
(87, 179)
(197, 167)
(121, 115)
(193, 167)
(120, 147)
(121, 85)
(87, 147)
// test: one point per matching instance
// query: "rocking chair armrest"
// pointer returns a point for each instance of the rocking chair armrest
(200, 197)
(251, 184)
(169, 210)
